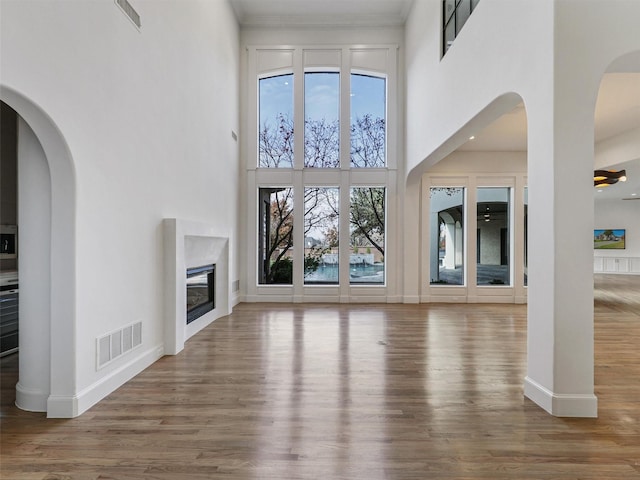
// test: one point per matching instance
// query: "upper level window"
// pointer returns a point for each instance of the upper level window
(322, 119)
(276, 122)
(368, 124)
(454, 15)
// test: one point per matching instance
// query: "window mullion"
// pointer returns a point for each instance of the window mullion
(345, 110)
(298, 109)
(345, 251)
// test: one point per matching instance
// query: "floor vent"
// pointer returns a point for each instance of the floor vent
(236, 286)
(129, 11)
(117, 343)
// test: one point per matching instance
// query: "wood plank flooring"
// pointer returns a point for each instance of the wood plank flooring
(347, 392)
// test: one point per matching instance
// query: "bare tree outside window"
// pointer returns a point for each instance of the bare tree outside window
(276, 122)
(368, 125)
(321, 120)
(367, 232)
(321, 235)
(319, 204)
(275, 236)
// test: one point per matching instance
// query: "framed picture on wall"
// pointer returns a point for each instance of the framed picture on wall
(609, 239)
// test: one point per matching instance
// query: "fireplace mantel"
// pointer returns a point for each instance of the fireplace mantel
(190, 244)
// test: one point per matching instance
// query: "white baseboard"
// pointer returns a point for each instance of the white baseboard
(59, 406)
(411, 299)
(31, 400)
(561, 404)
(236, 299)
(443, 299)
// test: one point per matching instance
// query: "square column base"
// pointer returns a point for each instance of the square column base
(561, 404)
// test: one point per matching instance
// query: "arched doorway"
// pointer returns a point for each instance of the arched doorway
(54, 330)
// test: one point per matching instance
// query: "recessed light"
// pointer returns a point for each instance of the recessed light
(634, 194)
(472, 137)
(599, 191)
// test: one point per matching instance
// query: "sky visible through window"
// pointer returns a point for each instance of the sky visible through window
(321, 96)
(276, 96)
(367, 96)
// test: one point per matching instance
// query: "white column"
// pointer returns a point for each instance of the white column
(450, 242)
(560, 306)
(34, 270)
(411, 279)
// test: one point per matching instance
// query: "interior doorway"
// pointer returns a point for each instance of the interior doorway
(45, 261)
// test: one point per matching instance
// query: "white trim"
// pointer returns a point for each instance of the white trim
(561, 404)
(59, 406)
(31, 400)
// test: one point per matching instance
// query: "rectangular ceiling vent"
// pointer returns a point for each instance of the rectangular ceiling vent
(129, 11)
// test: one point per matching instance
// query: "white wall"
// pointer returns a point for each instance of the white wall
(493, 55)
(148, 117)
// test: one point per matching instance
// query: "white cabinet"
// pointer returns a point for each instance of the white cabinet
(616, 265)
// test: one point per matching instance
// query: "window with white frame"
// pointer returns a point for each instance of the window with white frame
(321, 167)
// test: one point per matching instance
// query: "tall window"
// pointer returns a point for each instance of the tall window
(368, 124)
(333, 159)
(493, 236)
(321, 235)
(322, 120)
(276, 122)
(367, 235)
(275, 236)
(447, 235)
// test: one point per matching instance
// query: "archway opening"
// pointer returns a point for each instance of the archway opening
(616, 259)
(45, 262)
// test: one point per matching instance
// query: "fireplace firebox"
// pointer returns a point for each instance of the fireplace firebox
(200, 291)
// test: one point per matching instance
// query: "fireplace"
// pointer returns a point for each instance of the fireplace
(189, 244)
(200, 291)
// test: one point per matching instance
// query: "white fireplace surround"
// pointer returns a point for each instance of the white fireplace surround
(190, 244)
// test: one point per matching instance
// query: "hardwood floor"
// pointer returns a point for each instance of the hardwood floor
(347, 392)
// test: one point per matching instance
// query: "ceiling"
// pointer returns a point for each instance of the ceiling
(617, 108)
(336, 13)
(617, 112)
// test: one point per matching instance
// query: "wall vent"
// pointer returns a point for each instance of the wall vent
(236, 286)
(114, 344)
(129, 11)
